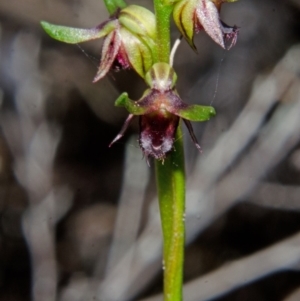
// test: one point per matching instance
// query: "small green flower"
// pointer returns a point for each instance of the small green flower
(159, 111)
(192, 16)
(128, 35)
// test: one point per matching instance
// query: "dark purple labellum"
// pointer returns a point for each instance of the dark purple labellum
(121, 61)
(157, 133)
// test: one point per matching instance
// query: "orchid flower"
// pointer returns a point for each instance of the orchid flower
(191, 16)
(128, 34)
(159, 111)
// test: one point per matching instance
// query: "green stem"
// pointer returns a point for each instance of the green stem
(163, 41)
(113, 5)
(170, 178)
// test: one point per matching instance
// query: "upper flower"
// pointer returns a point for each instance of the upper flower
(191, 16)
(128, 39)
(160, 109)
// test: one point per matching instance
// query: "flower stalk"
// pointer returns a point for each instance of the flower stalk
(163, 40)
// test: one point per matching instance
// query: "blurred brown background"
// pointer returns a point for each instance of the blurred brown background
(79, 221)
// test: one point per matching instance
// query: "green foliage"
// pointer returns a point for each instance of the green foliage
(73, 35)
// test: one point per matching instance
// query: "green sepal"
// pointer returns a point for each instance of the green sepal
(196, 113)
(138, 20)
(131, 106)
(113, 5)
(184, 18)
(138, 53)
(73, 35)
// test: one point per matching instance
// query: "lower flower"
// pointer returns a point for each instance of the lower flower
(159, 111)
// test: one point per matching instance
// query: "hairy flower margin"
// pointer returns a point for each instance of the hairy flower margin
(129, 42)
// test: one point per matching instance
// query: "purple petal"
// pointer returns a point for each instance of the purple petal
(208, 15)
(110, 50)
